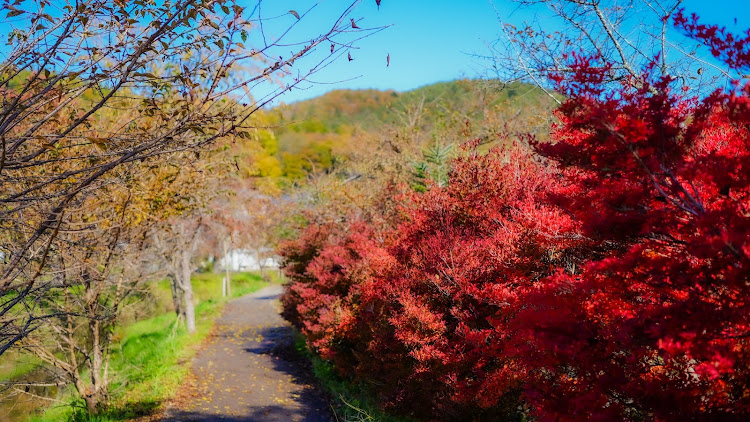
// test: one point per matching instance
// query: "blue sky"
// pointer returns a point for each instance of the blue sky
(428, 41)
(431, 41)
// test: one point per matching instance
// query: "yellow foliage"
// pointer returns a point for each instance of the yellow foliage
(268, 166)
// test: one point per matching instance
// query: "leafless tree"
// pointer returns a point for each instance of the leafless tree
(628, 33)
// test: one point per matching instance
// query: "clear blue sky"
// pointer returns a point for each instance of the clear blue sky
(429, 40)
(432, 41)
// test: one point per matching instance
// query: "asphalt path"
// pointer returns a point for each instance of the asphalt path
(248, 370)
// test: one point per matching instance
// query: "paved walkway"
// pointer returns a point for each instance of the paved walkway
(248, 370)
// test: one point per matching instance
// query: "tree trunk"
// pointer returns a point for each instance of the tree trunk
(96, 364)
(95, 394)
(227, 287)
(215, 268)
(189, 309)
(187, 291)
(92, 403)
(94, 400)
(260, 263)
(176, 296)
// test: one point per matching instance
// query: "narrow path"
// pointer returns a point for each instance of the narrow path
(248, 370)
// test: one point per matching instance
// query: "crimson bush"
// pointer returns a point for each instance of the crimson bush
(658, 327)
(424, 314)
(605, 276)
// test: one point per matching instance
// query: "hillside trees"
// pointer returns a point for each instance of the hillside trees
(94, 85)
(398, 138)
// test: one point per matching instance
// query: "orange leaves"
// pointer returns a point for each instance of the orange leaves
(100, 143)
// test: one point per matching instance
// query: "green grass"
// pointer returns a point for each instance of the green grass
(149, 361)
(351, 402)
(15, 365)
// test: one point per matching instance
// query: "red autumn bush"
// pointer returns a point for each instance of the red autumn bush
(659, 327)
(612, 285)
(461, 256)
(424, 315)
(325, 267)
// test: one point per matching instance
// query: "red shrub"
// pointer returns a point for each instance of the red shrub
(326, 270)
(614, 288)
(425, 318)
(659, 327)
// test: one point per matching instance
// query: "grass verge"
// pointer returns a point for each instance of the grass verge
(350, 402)
(16, 365)
(148, 362)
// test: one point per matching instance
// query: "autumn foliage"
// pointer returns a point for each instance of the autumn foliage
(604, 275)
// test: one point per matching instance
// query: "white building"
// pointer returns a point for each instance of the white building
(248, 260)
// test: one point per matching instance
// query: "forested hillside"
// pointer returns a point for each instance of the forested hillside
(318, 135)
(371, 109)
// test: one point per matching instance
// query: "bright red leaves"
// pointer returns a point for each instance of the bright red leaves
(609, 280)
